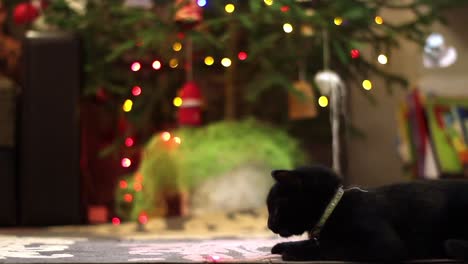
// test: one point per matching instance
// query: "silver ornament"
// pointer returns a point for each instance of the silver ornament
(437, 54)
(327, 81)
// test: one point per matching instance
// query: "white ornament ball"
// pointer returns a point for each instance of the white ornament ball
(327, 80)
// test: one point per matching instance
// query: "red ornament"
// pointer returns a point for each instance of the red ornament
(190, 110)
(355, 53)
(188, 13)
(25, 13)
(284, 9)
(242, 55)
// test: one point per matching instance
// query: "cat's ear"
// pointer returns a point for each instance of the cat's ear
(285, 176)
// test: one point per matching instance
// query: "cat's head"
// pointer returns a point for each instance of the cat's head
(298, 198)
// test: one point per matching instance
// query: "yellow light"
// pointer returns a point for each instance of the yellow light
(166, 136)
(288, 28)
(367, 85)
(382, 59)
(177, 102)
(378, 20)
(177, 46)
(127, 106)
(323, 101)
(229, 8)
(338, 21)
(209, 60)
(226, 62)
(177, 140)
(173, 63)
(268, 2)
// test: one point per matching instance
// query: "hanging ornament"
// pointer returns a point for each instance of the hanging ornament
(304, 106)
(327, 81)
(145, 4)
(437, 54)
(189, 112)
(188, 13)
(25, 13)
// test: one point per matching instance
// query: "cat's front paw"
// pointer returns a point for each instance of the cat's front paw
(279, 248)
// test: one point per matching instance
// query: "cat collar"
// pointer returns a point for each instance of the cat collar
(315, 232)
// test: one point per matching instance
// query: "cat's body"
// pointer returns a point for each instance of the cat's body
(418, 220)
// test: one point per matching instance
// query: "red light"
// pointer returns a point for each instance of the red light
(126, 162)
(128, 198)
(156, 65)
(123, 184)
(129, 142)
(180, 35)
(136, 66)
(116, 221)
(136, 90)
(143, 219)
(355, 53)
(242, 55)
(284, 9)
(137, 186)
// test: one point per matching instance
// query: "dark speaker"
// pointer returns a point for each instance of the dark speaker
(48, 138)
(8, 201)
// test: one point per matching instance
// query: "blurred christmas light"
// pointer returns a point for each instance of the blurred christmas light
(138, 177)
(137, 186)
(242, 55)
(209, 60)
(173, 63)
(355, 53)
(284, 9)
(226, 62)
(177, 101)
(201, 3)
(116, 221)
(177, 140)
(268, 2)
(136, 66)
(129, 142)
(143, 219)
(288, 28)
(338, 21)
(123, 184)
(136, 90)
(128, 105)
(367, 85)
(382, 59)
(128, 198)
(156, 65)
(323, 101)
(378, 20)
(177, 46)
(166, 136)
(126, 162)
(229, 8)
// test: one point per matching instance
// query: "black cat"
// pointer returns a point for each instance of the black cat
(417, 220)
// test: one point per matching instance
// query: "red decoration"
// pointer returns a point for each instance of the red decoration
(190, 110)
(188, 12)
(284, 9)
(355, 53)
(116, 221)
(143, 219)
(25, 13)
(242, 55)
(129, 142)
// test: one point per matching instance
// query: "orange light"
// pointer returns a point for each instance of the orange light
(138, 177)
(137, 186)
(126, 162)
(123, 184)
(166, 136)
(116, 221)
(128, 198)
(136, 66)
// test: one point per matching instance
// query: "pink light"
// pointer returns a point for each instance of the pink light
(156, 65)
(136, 66)
(143, 219)
(136, 90)
(242, 55)
(126, 162)
(129, 142)
(116, 221)
(128, 198)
